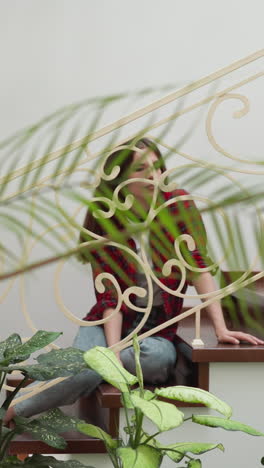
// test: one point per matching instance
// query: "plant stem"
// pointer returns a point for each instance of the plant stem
(2, 379)
(150, 437)
(128, 423)
(6, 405)
(175, 451)
(139, 420)
(113, 458)
(6, 443)
(13, 394)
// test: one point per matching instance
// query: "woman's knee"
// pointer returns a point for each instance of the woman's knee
(158, 349)
(88, 337)
(157, 359)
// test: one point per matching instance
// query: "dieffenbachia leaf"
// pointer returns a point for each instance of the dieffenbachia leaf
(59, 421)
(56, 363)
(165, 415)
(68, 358)
(2, 412)
(40, 432)
(5, 431)
(104, 361)
(194, 464)
(12, 342)
(40, 461)
(177, 451)
(227, 424)
(48, 426)
(195, 395)
(126, 397)
(23, 351)
(142, 457)
(11, 461)
(98, 433)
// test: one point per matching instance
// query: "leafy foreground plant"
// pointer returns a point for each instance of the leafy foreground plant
(142, 450)
(59, 363)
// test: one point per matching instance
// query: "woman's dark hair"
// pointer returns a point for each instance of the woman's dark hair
(123, 158)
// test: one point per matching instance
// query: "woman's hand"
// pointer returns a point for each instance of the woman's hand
(235, 337)
(204, 284)
(9, 416)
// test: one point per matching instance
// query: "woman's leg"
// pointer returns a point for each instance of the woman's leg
(68, 391)
(157, 359)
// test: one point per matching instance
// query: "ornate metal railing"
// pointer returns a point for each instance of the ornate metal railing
(83, 166)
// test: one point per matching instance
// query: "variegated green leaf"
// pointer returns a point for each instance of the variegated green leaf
(226, 424)
(70, 358)
(142, 457)
(2, 412)
(40, 432)
(41, 372)
(23, 351)
(165, 415)
(152, 442)
(98, 433)
(195, 395)
(58, 421)
(194, 464)
(5, 431)
(48, 426)
(11, 462)
(12, 342)
(179, 450)
(56, 363)
(104, 361)
(126, 400)
(40, 461)
(126, 397)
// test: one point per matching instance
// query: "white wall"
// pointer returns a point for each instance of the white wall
(56, 52)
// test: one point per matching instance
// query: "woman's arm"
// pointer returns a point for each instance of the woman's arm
(205, 284)
(113, 328)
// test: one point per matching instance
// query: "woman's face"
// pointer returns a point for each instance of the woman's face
(145, 166)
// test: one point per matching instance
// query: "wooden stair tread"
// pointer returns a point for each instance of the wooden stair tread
(84, 409)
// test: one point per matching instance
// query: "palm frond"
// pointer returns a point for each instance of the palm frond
(27, 191)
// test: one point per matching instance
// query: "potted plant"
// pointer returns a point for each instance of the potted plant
(47, 427)
(140, 449)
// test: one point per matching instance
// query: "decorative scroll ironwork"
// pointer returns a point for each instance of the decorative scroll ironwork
(69, 221)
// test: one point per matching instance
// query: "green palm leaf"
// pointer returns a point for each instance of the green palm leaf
(38, 145)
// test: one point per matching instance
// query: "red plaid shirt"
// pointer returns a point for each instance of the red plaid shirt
(180, 217)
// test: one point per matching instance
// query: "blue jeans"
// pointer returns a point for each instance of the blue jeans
(157, 358)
